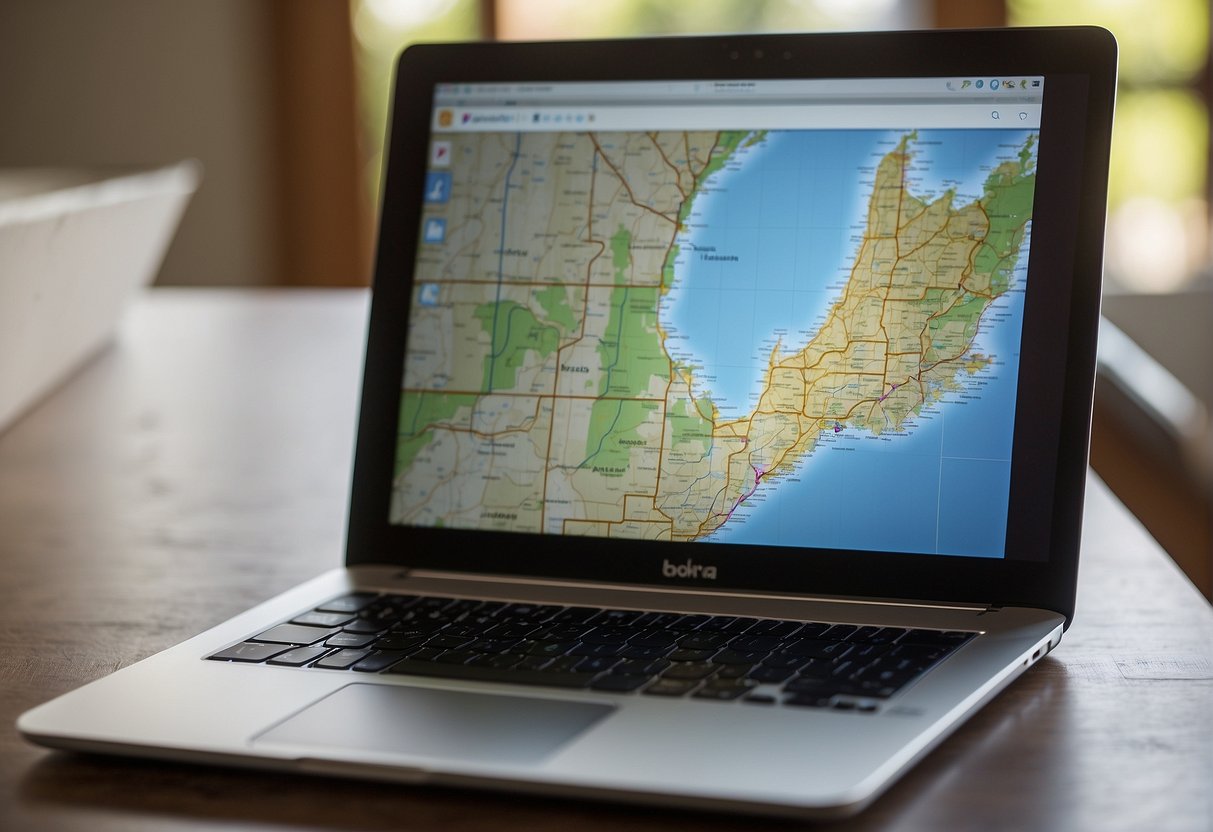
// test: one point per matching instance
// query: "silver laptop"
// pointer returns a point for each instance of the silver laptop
(724, 398)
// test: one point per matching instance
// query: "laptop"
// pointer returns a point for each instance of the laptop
(725, 398)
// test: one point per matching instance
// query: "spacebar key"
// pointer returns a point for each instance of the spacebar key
(410, 667)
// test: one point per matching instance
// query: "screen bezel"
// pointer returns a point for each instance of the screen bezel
(1060, 320)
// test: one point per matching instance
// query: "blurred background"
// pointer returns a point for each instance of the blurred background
(285, 102)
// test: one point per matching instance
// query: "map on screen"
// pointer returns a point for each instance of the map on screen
(780, 337)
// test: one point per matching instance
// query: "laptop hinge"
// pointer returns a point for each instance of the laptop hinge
(522, 580)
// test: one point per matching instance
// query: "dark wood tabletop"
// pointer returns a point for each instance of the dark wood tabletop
(201, 464)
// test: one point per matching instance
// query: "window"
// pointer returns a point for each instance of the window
(1158, 225)
(1158, 214)
(383, 27)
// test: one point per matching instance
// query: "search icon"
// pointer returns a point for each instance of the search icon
(994, 115)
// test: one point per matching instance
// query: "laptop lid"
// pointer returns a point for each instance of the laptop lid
(805, 314)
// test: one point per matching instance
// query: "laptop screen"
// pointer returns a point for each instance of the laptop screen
(774, 312)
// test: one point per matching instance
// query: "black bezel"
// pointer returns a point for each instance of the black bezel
(1061, 318)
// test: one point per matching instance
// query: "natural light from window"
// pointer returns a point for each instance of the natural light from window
(1158, 223)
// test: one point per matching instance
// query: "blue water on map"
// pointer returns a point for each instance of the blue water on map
(769, 244)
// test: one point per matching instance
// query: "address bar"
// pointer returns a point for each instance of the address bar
(855, 116)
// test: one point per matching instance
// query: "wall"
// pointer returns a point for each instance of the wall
(141, 82)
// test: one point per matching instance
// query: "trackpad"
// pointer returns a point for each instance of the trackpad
(428, 722)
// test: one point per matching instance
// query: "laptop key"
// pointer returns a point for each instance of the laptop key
(607, 635)
(751, 644)
(496, 645)
(691, 622)
(658, 621)
(877, 689)
(456, 657)
(596, 664)
(575, 615)
(298, 657)
(785, 660)
(843, 669)
(392, 641)
(691, 655)
(865, 654)
(248, 652)
(432, 602)
(654, 638)
(351, 603)
(811, 630)
(546, 648)
(689, 670)
(341, 659)
(730, 656)
(634, 652)
(771, 675)
(616, 618)
(562, 632)
(563, 664)
(809, 685)
(759, 699)
(886, 635)
(382, 614)
(916, 655)
(512, 629)
(727, 624)
(671, 687)
(378, 660)
(808, 700)
(773, 627)
(295, 634)
(459, 629)
(640, 667)
(366, 627)
(864, 634)
(817, 669)
(596, 650)
(413, 626)
(323, 619)
(500, 661)
(702, 641)
(721, 691)
(618, 684)
(536, 613)
(349, 640)
(462, 607)
(816, 648)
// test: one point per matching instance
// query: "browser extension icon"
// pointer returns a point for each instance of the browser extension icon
(438, 186)
(435, 230)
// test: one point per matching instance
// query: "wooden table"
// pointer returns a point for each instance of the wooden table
(202, 464)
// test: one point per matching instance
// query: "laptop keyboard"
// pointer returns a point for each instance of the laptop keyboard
(667, 654)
